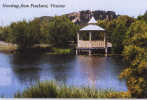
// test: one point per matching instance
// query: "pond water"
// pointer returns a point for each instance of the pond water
(17, 72)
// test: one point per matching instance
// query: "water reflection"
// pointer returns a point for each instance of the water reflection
(26, 68)
(26, 59)
(59, 66)
(100, 72)
(91, 66)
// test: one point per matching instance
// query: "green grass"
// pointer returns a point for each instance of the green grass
(53, 90)
(53, 49)
(60, 51)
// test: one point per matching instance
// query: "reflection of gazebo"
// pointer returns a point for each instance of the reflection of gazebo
(90, 44)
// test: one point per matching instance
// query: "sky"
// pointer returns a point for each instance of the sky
(131, 8)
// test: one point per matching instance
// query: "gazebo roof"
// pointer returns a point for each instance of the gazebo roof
(92, 21)
(92, 26)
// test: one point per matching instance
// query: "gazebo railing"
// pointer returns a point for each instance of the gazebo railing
(93, 44)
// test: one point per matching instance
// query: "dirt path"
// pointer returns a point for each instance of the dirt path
(6, 47)
(2, 43)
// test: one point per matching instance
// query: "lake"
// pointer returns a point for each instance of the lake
(20, 71)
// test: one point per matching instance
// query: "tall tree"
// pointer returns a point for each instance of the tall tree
(61, 30)
(26, 34)
(116, 30)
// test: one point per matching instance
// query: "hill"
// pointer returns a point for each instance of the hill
(82, 17)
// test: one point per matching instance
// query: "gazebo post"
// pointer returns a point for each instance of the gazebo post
(105, 40)
(90, 36)
(77, 51)
(78, 37)
(89, 43)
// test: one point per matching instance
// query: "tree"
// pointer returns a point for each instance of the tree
(44, 31)
(26, 34)
(33, 32)
(5, 34)
(138, 27)
(61, 30)
(1, 33)
(108, 26)
(19, 33)
(116, 31)
(143, 17)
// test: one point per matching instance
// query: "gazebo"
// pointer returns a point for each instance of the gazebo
(90, 44)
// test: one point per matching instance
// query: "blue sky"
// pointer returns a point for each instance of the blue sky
(123, 7)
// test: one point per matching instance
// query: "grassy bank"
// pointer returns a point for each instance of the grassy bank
(44, 48)
(60, 51)
(52, 90)
(49, 49)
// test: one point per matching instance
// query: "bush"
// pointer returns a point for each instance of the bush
(136, 73)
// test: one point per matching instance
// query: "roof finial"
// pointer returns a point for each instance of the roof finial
(91, 12)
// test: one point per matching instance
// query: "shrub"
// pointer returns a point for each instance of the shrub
(135, 74)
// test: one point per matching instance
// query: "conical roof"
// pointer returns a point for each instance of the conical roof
(92, 26)
(92, 21)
